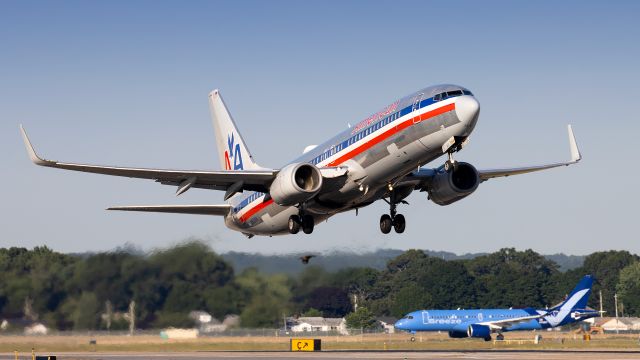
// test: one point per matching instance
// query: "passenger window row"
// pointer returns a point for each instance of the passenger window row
(378, 125)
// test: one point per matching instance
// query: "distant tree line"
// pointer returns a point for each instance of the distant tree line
(74, 292)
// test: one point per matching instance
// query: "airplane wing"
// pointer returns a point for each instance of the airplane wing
(423, 177)
(220, 210)
(506, 323)
(254, 180)
(575, 157)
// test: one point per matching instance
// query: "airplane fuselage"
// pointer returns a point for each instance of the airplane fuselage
(378, 151)
(459, 320)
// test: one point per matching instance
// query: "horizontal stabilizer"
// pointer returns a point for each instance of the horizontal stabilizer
(220, 210)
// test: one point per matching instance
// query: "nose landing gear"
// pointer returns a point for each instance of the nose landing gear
(393, 219)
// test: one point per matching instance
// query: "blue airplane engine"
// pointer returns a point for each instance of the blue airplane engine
(458, 334)
(479, 331)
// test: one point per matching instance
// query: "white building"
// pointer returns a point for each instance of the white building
(311, 324)
(610, 324)
(387, 323)
(621, 324)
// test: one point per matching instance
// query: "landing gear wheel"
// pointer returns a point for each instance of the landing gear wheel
(294, 224)
(307, 224)
(399, 223)
(386, 224)
(488, 338)
(413, 339)
(499, 337)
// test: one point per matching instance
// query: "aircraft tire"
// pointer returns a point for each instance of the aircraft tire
(499, 337)
(386, 224)
(399, 223)
(307, 224)
(294, 224)
(488, 338)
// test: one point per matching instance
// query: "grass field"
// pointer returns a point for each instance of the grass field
(433, 341)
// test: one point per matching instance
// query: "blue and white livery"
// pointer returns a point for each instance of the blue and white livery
(481, 323)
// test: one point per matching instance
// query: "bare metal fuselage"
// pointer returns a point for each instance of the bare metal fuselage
(379, 151)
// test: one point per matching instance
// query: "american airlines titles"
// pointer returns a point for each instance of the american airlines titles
(375, 117)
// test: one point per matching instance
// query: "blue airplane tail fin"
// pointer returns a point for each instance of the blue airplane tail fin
(579, 296)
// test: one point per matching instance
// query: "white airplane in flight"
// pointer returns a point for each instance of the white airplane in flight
(381, 157)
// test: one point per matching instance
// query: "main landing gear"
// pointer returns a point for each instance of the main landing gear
(451, 164)
(393, 219)
(300, 221)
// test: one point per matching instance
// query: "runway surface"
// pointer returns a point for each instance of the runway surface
(331, 355)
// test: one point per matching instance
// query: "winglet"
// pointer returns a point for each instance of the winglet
(32, 153)
(575, 152)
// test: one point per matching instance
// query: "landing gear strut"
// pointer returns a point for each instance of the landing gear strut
(303, 221)
(451, 164)
(393, 219)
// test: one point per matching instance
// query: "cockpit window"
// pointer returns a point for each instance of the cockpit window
(408, 317)
(449, 94)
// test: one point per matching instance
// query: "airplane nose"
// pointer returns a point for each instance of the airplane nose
(399, 325)
(467, 110)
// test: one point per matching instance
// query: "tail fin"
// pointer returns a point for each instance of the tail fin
(580, 294)
(577, 300)
(232, 150)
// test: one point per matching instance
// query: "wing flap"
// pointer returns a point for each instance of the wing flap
(219, 210)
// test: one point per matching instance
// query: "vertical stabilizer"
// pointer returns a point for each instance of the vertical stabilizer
(580, 294)
(232, 150)
(577, 300)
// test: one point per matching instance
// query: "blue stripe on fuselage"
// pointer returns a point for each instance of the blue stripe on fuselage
(346, 139)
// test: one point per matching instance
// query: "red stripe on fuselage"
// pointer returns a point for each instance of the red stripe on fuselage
(385, 135)
(367, 145)
(254, 210)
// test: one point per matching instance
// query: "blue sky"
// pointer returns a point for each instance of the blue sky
(126, 83)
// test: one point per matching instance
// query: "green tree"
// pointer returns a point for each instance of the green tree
(86, 314)
(410, 298)
(331, 301)
(629, 288)
(362, 318)
(510, 278)
(605, 266)
(311, 312)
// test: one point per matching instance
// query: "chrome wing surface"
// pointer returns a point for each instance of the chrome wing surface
(254, 180)
(423, 177)
(220, 210)
(575, 157)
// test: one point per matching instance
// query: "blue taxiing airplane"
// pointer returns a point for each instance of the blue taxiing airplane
(481, 323)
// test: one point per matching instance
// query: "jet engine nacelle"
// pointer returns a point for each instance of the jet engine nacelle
(449, 187)
(479, 331)
(458, 334)
(295, 183)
